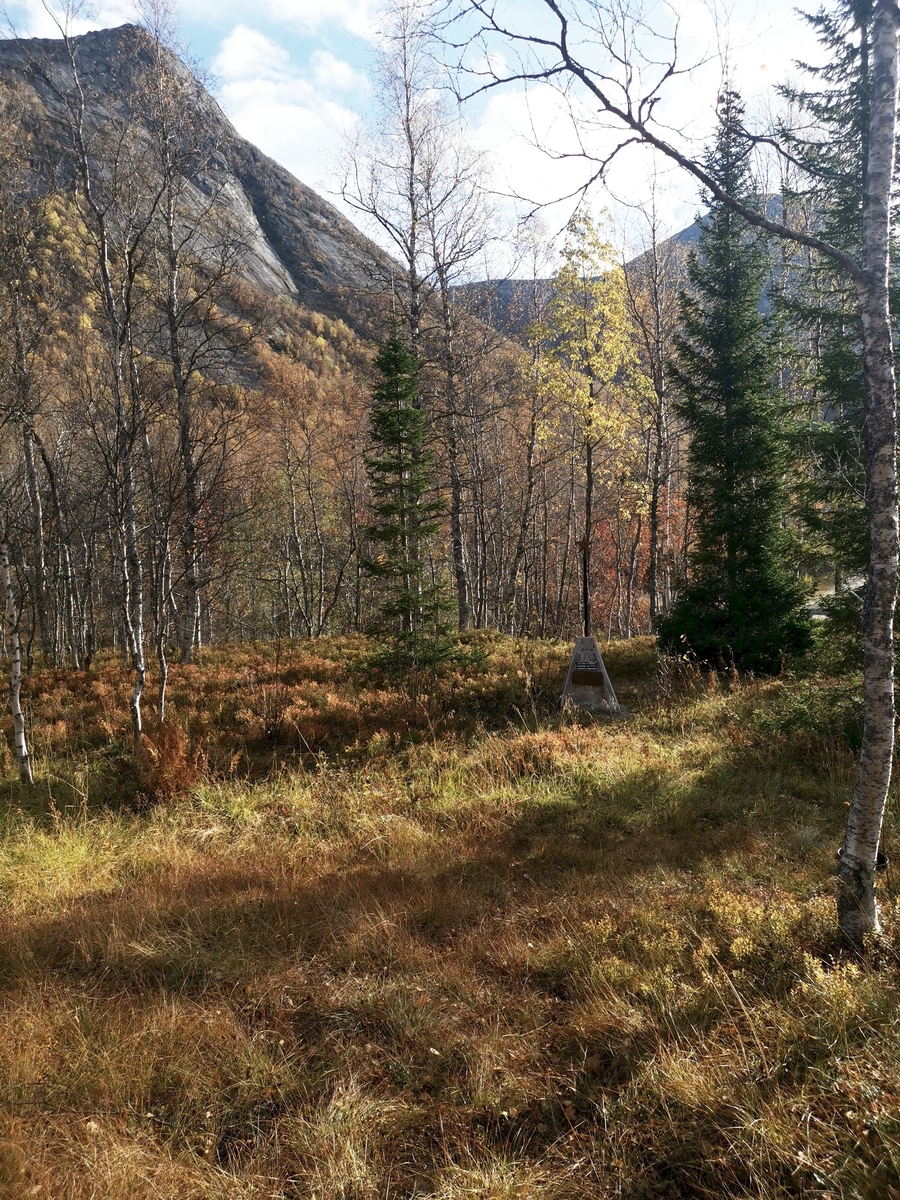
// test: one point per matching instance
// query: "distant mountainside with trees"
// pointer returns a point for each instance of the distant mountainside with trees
(507, 303)
(295, 242)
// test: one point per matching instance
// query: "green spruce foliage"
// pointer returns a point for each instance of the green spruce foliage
(740, 606)
(413, 610)
(830, 140)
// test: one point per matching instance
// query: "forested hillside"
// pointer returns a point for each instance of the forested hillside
(186, 430)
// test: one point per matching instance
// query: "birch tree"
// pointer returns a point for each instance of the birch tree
(118, 196)
(652, 285)
(383, 175)
(591, 367)
(27, 304)
(415, 175)
(20, 740)
(194, 259)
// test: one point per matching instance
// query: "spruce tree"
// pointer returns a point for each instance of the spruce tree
(412, 614)
(831, 140)
(820, 300)
(740, 605)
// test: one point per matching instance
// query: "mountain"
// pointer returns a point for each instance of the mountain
(509, 304)
(297, 244)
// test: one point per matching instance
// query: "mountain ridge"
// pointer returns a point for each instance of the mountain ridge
(298, 243)
(509, 304)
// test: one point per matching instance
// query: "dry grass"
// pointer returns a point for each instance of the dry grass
(324, 943)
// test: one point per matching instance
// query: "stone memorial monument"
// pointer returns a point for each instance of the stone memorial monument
(587, 685)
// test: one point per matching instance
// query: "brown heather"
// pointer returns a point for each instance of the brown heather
(323, 943)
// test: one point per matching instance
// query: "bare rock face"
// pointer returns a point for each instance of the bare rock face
(296, 243)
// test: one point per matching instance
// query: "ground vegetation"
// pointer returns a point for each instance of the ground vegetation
(341, 943)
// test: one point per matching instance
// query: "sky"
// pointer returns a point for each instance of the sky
(294, 78)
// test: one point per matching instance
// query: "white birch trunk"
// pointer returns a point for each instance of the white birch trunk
(15, 666)
(857, 908)
(117, 301)
(32, 486)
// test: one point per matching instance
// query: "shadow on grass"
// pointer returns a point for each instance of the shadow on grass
(254, 980)
(185, 927)
(317, 966)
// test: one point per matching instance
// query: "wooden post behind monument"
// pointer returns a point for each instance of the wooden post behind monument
(587, 685)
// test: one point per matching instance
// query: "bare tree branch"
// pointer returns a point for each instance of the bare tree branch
(632, 112)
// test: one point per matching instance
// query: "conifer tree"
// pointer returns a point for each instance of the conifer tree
(413, 609)
(741, 604)
(831, 141)
(821, 300)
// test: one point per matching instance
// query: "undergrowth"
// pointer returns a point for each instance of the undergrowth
(323, 942)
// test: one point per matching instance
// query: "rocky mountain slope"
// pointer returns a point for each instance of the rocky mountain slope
(296, 243)
(510, 304)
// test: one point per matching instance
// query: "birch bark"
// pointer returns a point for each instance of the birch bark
(457, 544)
(857, 909)
(190, 633)
(107, 192)
(15, 667)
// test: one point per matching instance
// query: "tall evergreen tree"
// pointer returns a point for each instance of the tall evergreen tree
(741, 604)
(831, 142)
(413, 609)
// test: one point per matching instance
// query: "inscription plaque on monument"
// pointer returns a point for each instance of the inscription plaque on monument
(587, 684)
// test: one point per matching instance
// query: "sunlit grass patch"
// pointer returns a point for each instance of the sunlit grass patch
(468, 947)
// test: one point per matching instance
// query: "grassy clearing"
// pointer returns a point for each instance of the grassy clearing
(324, 943)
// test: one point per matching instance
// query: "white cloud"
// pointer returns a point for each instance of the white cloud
(536, 140)
(30, 18)
(331, 72)
(293, 127)
(513, 124)
(359, 17)
(248, 54)
(291, 115)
